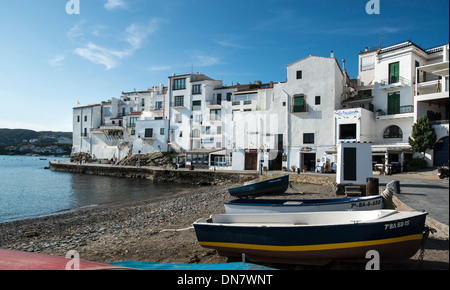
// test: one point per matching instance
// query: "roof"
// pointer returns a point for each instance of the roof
(88, 106)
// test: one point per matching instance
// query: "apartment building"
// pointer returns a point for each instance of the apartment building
(386, 100)
(296, 123)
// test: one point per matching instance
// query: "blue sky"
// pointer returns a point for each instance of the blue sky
(50, 60)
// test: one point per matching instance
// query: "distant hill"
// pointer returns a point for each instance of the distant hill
(17, 136)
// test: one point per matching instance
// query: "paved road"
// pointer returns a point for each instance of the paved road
(423, 193)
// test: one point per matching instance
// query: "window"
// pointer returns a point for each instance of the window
(317, 100)
(85, 118)
(179, 101)
(308, 138)
(208, 130)
(179, 84)
(133, 132)
(196, 105)
(299, 74)
(394, 72)
(178, 118)
(149, 133)
(299, 104)
(394, 103)
(215, 114)
(229, 97)
(78, 119)
(133, 121)
(196, 133)
(219, 130)
(219, 99)
(162, 131)
(367, 62)
(393, 132)
(143, 102)
(347, 131)
(158, 105)
(196, 89)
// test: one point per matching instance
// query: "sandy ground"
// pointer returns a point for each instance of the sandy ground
(161, 231)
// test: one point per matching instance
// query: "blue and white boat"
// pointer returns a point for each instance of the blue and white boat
(314, 238)
(253, 206)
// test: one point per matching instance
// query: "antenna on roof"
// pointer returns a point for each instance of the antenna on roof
(381, 35)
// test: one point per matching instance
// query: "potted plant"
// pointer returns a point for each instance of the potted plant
(265, 168)
(283, 168)
(293, 168)
(305, 168)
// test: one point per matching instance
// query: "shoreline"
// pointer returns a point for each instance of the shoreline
(149, 230)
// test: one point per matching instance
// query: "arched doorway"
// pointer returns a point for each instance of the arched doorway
(441, 152)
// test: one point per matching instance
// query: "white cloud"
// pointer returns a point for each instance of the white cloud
(204, 60)
(135, 35)
(113, 4)
(57, 60)
(100, 55)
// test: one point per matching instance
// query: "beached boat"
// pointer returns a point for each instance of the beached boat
(314, 238)
(250, 206)
(276, 185)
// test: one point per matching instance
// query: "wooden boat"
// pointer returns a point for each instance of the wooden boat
(247, 206)
(314, 238)
(15, 260)
(276, 185)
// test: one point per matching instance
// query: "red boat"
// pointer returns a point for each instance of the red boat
(14, 260)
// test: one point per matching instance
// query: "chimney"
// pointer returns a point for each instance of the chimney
(332, 54)
(343, 64)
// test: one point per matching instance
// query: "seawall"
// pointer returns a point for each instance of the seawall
(157, 174)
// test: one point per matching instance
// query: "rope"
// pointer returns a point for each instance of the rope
(176, 230)
(387, 194)
(426, 233)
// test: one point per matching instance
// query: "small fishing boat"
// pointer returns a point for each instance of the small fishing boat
(276, 185)
(314, 238)
(251, 206)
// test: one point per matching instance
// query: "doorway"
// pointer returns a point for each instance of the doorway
(309, 159)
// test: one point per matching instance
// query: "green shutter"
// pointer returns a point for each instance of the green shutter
(394, 103)
(394, 72)
(299, 104)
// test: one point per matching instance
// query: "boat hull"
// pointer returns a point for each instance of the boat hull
(277, 185)
(250, 206)
(394, 239)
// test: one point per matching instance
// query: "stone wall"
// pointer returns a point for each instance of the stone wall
(195, 177)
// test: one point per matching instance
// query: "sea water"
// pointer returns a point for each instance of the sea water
(27, 190)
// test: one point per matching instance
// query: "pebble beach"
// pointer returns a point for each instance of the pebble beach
(160, 230)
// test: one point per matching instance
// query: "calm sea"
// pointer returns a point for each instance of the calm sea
(27, 190)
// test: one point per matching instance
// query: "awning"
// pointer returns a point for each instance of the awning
(440, 69)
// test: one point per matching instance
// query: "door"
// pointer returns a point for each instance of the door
(394, 103)
(441, 152)
(394, 72)
(251, 161)
(349, 164)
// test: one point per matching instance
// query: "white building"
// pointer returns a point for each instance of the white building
(297, 123)
(294, 122)
(383, 108)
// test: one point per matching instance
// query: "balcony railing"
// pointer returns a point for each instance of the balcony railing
(394, 80)
(402, 110)
(177, 104)
(299, 109)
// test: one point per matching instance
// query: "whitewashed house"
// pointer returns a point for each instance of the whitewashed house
(294, 123)
(382, 109)
(85, 119)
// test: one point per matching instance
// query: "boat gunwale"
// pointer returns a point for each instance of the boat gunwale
(304, 202)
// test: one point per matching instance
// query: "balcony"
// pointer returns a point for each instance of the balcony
(394, 82)
(177, 104)
(299, 109)
(403, 112)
